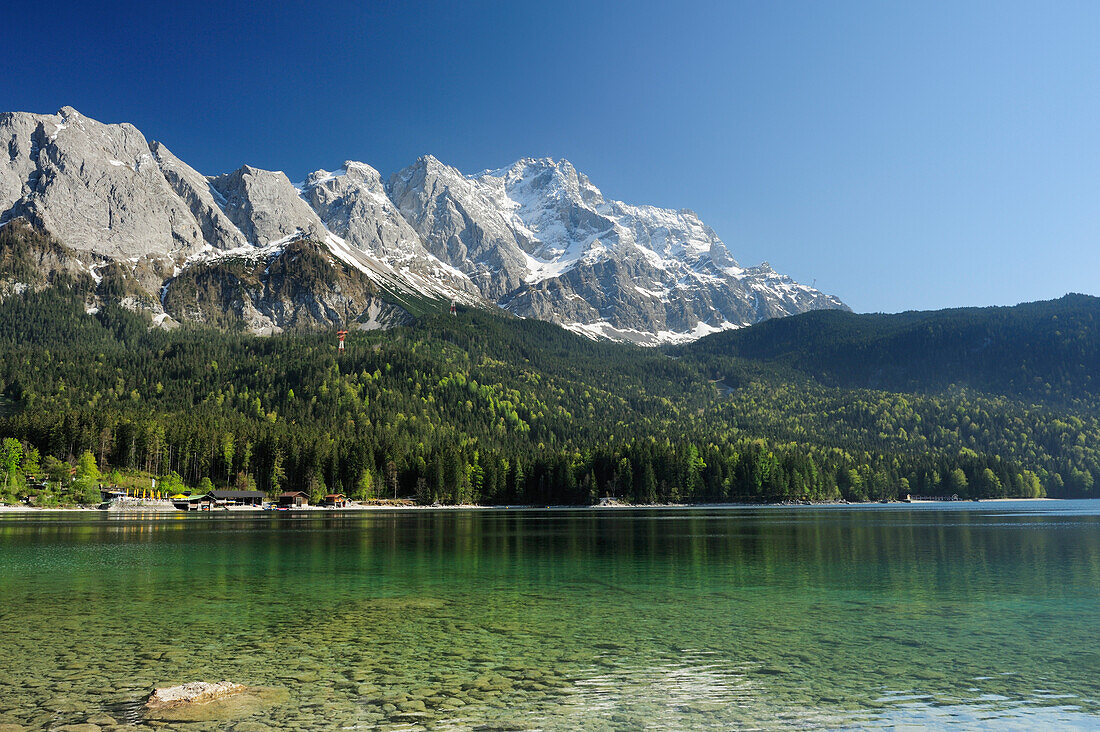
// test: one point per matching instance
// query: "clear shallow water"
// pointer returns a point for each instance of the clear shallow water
(968, 615)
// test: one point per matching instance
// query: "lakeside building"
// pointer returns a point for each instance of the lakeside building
(196, 502)
(237, 498)
(293, 498)
(110, 493)
(336, 500)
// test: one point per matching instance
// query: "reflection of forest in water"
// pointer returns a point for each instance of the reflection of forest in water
(709, 616)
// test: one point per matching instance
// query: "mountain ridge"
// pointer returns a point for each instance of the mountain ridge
(536, 238)
(1045, 351)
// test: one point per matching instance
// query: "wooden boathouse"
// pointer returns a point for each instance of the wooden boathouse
(292, 499)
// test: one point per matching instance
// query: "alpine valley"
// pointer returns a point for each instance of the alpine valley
(252, 250)
(132, 290)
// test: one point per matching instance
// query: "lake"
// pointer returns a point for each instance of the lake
(939, 615)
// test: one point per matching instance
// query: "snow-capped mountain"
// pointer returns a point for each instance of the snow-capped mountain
(541, 240)
(537, 239)
(353, 205)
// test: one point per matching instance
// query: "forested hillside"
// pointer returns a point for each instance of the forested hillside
(491, 409)
(1043, 351)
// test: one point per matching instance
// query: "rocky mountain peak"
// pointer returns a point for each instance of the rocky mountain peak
(548, 179)
(350, 173)
(364, 173)
(428, 165)
(94, 186)
(265, 206)
(353, 204)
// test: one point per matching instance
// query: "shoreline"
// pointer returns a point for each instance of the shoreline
(360, 508)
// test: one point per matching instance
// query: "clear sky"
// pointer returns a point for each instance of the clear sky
(905, 155)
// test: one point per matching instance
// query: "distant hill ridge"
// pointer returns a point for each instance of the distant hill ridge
(1047, 351)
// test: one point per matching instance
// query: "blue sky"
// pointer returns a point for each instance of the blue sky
(903, 155)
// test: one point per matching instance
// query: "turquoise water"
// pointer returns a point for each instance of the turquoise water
(943, 615)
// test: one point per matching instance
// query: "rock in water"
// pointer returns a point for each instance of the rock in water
(201, 701)
(196, 692)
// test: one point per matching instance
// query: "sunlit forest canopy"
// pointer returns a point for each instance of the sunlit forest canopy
(481, 408)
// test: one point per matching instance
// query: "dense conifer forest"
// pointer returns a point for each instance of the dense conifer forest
(481, 408)
(1047, 352)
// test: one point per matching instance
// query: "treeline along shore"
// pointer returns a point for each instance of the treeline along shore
(483, 409)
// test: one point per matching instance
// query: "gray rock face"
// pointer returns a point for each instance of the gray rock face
(353, 204)
(30, 259)
(461, 223)
(22, 135)
(218, 230)
(95, 187)
(265, 206)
